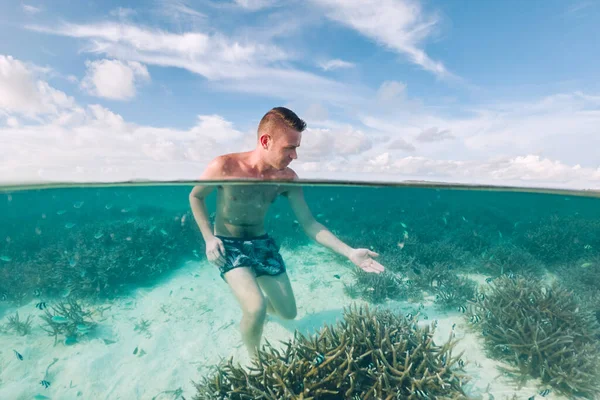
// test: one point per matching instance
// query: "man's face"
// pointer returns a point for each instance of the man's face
(284, 146)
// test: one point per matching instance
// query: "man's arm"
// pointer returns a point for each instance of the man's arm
(198, 195)
(313, 228)
(318, 232)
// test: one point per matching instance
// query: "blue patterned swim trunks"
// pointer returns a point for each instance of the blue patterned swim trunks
(259, 253)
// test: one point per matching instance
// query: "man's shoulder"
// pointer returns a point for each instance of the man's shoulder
(220, 166)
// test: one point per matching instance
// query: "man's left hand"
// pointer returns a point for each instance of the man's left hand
(362, 259)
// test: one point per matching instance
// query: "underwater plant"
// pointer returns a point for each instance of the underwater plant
(21, 327)
(69, 319)
(369, 355)
(542, 331)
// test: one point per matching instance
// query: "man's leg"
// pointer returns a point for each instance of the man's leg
(280, 294)
(243, 284)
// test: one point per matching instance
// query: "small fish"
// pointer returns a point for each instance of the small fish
(500, 234)
(130, 220)
(464, 219)
(41, 305)
(405, 234)
(108, 206)
(489, 280)
(586, 265)
(319, 359)
(403, 225)
(484, 332)
(445, 220)
(461, 363)
(78, 204)
(531, 398)
(135, 351)
(37, 292)
(61, 212)
(163, 232)
(425, 316)
(5, 258)
(19, 356)
(336, 276)
(421, 306)
(545, 392)
(453, 326)
(45, 383)
(69, 225)
(462, 309)
(3, 297)
(475, 319)
(409, 315)
(98, 235)
(511, 275)
(587, 247)
(401, 245)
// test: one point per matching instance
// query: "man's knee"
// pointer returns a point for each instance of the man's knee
(256, 310)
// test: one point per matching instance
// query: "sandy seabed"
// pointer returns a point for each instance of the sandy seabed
(194, 323)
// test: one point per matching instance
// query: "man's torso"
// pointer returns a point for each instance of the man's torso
(241, 208)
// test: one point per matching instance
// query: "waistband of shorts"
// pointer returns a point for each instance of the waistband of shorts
(243, 238)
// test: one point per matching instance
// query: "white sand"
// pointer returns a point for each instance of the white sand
(194, 323)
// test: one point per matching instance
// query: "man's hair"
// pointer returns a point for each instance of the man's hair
(280, 115)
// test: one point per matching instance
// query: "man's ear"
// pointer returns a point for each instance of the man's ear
(264, 141)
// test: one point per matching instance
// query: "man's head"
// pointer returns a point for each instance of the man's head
(279, 134)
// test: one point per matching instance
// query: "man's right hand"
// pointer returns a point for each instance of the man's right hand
(215, 251)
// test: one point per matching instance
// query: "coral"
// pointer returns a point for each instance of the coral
(376, 288)
(69, 319)
(368, 355)
(542, 331)
(455, 291)
(18, 326)
(507, 257)
(143, 327)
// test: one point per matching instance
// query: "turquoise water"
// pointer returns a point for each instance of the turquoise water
(105, 292)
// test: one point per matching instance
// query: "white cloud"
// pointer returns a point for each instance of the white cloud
(122, 12)
(227, 63)
(23, 94)
(29, 9)
(391, 90)
(335, 64)
(434, 134)
(113, 79)
(400, 25)
(255, 4)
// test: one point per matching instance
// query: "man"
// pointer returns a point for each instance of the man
(247, 257)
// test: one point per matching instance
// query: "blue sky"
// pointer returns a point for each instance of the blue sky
(496, 92)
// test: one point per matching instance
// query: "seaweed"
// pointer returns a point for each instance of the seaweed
(69, 319)
(369, 355)
(21, 327)
(542, 331)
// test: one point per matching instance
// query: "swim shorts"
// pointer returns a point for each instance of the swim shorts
(259, 253)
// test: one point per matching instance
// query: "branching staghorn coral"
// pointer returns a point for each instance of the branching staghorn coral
(18, 326)
(368, 355)
(68, 318)
(543, 332)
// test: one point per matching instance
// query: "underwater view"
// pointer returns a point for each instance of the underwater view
(106, 293)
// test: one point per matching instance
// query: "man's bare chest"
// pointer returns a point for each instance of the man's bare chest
(250, 194)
